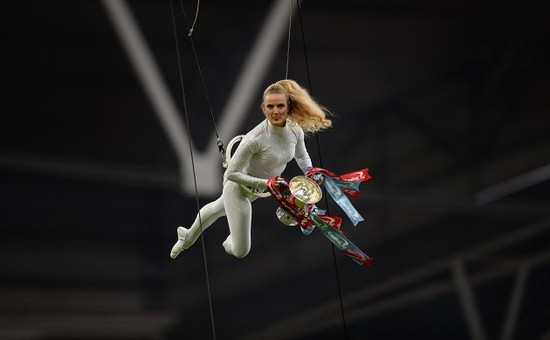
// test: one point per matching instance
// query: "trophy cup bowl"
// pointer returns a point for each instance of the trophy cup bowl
(285, 217)
(305, 190)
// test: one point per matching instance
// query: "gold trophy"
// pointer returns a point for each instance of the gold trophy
(305, 191)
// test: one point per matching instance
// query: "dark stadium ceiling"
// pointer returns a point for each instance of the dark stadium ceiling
(447, 103)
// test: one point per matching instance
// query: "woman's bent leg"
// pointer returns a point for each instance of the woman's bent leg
(238, 210)
(206, 217)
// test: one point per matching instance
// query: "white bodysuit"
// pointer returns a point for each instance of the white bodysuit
(262, 154)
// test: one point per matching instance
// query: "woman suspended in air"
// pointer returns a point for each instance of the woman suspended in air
(290, 112)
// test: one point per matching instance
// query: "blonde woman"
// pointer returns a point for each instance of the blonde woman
(290, 112)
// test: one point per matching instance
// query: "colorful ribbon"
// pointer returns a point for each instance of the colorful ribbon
(340, 188)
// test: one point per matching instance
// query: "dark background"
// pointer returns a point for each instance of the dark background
(446, 102)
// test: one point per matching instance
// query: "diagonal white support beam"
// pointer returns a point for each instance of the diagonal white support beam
(467, 300)
(157, 91)
(207, 164)
(509, 325)
(513, 185)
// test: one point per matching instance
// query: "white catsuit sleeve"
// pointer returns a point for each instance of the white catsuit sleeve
(237, 168)
(301, 155)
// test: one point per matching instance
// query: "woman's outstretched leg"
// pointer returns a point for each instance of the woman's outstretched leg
(208, 215)
(238, 209)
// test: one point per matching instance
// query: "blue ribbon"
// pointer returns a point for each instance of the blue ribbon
(333, 187)
(340, 241)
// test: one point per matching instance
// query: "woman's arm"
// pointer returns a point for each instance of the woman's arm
(239, 162)
(301, 155)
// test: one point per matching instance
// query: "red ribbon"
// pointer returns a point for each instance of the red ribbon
(355, 176)
(281, 193)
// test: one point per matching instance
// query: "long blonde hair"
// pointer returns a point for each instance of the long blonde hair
(303, 109)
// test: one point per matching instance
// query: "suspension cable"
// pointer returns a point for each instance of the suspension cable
(219, 142)
(288, 39)
(192, 28)
(184, 99)
(337, 274)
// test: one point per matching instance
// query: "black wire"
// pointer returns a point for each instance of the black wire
(194, 172)
(219, 141)
(288, 39)
(344, 323)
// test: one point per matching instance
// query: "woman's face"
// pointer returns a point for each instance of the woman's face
(275, 108)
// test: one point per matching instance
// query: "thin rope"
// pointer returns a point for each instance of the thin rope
(207, 276)
(337, 274)
(194, 21)
(219, 142)
(288, 40)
